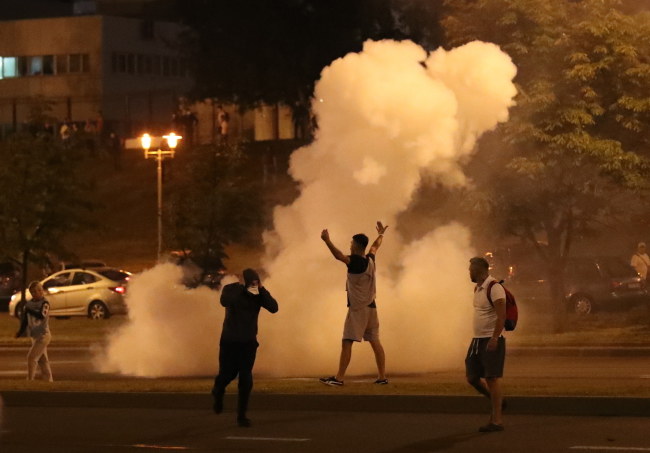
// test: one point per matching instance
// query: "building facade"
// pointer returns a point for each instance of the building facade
(123, 73)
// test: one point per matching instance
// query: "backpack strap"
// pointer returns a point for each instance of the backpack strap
(489, 290)
(643, 259)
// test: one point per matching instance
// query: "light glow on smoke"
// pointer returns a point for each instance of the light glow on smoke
(388, 116)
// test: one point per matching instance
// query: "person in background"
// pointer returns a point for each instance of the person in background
(223, 118)
(238, 345)
(35, 321)
(114, 146)
(65, 131)
(641, 261)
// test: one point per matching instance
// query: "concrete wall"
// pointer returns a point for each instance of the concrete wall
(273, 122)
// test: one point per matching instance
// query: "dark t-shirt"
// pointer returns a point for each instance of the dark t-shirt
(358, 265)
(242, 310)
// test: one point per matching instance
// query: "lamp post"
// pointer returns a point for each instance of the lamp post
(159, 154)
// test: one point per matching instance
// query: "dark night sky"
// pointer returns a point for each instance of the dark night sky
(22, 9)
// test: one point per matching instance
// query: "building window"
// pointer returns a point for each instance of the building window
(174, 67)
(74, 62)
(10, 67)
(48, 65)
(43, 65)
(165, 66)
(35, 66)
(130, 63)
(157, 65)
(61, 64)
(139, 66)
(147, 30)
(121, 58)
(148, 65)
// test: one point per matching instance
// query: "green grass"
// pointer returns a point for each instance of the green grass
(628, 328)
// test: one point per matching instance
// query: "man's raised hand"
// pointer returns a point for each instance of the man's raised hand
(325, 236)
(381, 229)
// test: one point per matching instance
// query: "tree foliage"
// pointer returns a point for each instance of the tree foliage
(42, 195)
(579, 135)
(260, 51)
(216, 201)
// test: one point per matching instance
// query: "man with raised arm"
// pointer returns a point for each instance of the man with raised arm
(361, 322)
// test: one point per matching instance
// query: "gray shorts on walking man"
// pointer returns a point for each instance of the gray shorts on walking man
(361, 324)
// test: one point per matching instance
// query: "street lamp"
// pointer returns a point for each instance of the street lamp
(159, 154)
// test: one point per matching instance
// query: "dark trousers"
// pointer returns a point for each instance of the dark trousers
(236, 359)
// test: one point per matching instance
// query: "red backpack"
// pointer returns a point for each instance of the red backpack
(512, 314)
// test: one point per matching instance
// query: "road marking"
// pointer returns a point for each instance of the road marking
(270, 439)
(12, 372)
(158, 447)
(50, 348)
(147, 446)
(68, 362)
(605, 448)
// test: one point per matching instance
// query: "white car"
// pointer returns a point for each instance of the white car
(97, 293)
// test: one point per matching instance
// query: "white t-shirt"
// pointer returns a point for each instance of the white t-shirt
(641, 263)
(485, 315)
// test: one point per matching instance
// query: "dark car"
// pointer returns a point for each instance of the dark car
(10, 278)
(198, 271)
(591, 284)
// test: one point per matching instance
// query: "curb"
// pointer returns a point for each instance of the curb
(520, 405)
(556, 351)
(581, 351)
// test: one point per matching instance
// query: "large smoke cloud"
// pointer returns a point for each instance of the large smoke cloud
(387, 116)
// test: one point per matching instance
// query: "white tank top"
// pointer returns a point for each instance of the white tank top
(362, 288)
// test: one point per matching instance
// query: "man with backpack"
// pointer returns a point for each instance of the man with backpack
(641, 261)
(487, 351)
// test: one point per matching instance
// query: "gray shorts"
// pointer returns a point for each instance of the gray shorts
(361, 324)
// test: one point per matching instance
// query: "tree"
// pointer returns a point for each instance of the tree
(259, 51)
(42, 197)
(578, 136)
(216, 201)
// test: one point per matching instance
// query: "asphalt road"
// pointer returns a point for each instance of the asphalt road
(77, 430)
(76, 363)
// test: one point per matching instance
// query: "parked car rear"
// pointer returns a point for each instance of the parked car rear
(97, 293)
